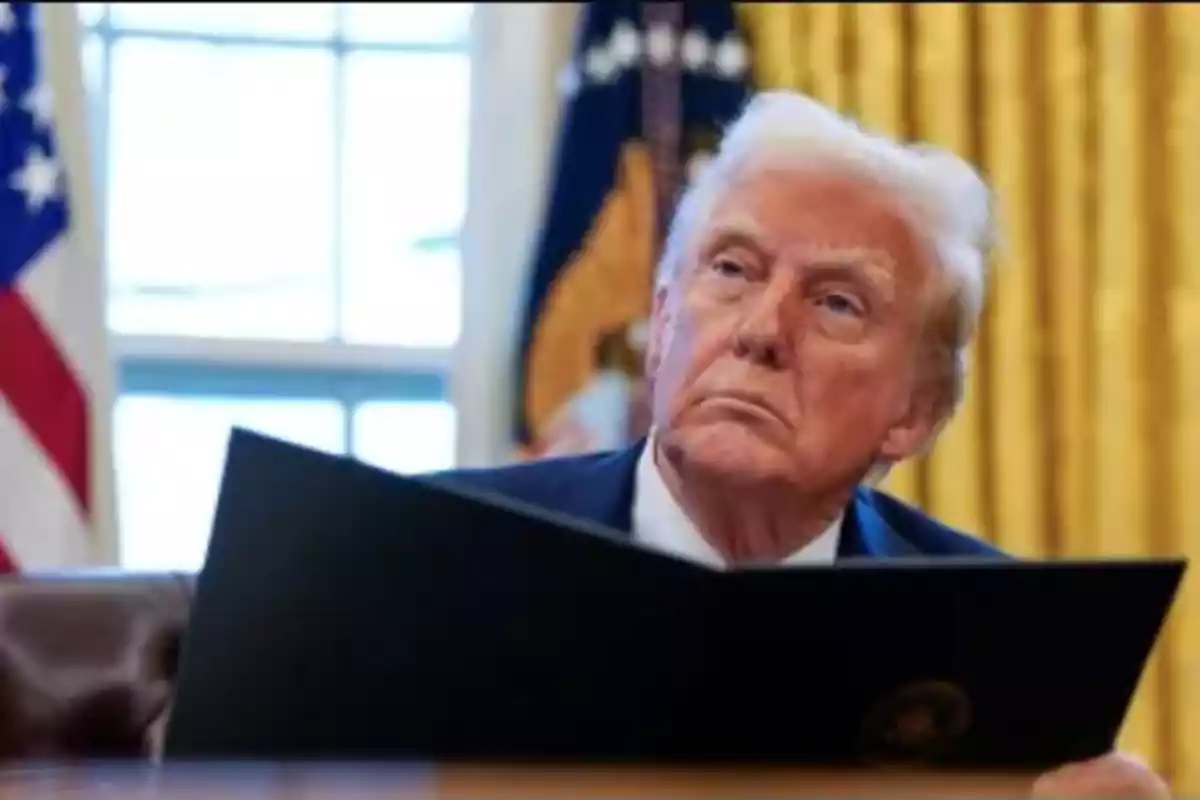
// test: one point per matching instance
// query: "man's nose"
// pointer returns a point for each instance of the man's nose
(762, 335)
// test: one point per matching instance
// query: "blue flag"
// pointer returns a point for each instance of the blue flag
(582, 332)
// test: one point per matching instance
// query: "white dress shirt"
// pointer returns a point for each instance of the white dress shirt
(659, 522)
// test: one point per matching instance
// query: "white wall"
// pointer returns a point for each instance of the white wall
(519, 53)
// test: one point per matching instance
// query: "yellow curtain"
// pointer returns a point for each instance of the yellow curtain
(1080, 434)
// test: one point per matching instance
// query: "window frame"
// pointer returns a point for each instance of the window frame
(201, 366)
(397, 372)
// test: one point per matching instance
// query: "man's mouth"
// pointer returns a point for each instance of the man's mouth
(745, 403)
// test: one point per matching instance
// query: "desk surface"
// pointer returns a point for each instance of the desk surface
(428, 782)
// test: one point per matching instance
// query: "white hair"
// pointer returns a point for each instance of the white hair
(949, 201)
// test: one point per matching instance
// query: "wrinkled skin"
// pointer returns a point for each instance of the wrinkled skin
(789, 356)
(785, 361)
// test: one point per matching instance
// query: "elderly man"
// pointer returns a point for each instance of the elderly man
(814, 304)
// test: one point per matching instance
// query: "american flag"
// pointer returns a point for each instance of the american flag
(49, 339)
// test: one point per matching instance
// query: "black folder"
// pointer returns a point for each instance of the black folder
(347, 613)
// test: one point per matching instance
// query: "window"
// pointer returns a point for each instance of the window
(282, 189)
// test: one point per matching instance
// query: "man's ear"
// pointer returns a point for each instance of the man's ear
(927, 409)
(660, 318)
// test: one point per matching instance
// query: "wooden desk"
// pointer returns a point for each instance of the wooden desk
(427, 782)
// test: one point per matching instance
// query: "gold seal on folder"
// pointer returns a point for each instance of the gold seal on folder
(919, 721)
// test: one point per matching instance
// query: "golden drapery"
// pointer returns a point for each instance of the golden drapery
(1080, 435)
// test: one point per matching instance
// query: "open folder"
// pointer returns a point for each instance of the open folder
(345, 612)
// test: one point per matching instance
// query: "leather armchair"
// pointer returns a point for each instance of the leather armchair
(88, 663)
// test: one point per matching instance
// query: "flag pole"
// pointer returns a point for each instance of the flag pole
(662, 111)
(662, 130)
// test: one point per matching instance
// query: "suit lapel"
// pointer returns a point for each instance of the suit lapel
(866, 534)
(608, 489)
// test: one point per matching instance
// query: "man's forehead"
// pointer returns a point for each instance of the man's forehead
(818, 208)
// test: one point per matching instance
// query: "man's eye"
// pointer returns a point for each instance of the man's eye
(841, 304)
(728, 268)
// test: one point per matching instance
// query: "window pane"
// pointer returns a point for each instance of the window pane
(285, 20)
(407, 22)
(91, 13)
(416, 300)
(405, 180)
(408, 438)
(221, 175)
(170, 452)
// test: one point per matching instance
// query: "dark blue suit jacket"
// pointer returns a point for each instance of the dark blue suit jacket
(599, 488)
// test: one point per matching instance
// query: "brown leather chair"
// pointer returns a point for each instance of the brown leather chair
(88, 662)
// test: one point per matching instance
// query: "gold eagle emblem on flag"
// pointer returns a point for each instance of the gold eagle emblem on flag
(588, 346)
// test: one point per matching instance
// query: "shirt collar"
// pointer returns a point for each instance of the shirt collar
(661, 523)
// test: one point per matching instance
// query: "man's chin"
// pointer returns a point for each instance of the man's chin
(735, 451)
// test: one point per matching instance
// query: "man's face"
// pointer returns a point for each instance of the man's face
(787, 349)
